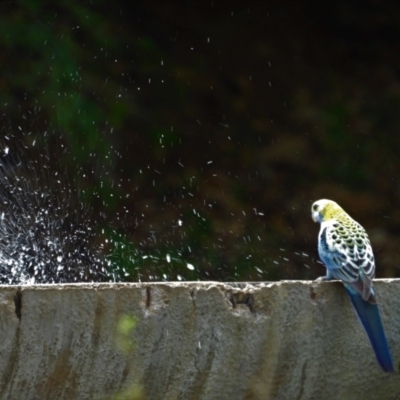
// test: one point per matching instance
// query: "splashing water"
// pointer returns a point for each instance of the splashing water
(46, 233)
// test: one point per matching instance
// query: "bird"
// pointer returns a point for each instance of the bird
(345, 249)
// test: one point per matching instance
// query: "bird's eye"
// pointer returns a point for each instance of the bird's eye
(315, 207)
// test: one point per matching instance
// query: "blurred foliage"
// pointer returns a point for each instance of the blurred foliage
(125, 328)
(125, 342)
(205, 130)
(134, 392)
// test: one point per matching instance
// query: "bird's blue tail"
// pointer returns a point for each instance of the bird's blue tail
(370, 319)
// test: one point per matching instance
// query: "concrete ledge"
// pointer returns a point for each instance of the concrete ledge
(194, 340)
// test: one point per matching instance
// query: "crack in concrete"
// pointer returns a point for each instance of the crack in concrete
(148, 296)
(18, 303)
(241, 297)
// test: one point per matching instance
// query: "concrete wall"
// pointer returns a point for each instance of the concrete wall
(199, 340)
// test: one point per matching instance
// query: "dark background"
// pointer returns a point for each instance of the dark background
(200, 132)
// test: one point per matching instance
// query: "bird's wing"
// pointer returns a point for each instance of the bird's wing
(354, 264)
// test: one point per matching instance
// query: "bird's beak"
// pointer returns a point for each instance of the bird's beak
(315, 216)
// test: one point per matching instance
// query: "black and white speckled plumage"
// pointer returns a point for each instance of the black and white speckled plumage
(344, 248)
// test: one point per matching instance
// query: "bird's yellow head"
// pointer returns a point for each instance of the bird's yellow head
(324, 210)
